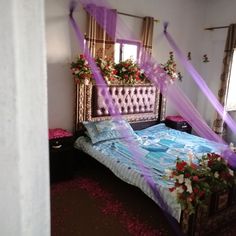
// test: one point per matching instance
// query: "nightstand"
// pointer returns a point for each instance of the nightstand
(61, 158)
(178, 123)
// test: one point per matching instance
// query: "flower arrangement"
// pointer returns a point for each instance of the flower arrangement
(170, 68)
(193, 184)
(80, 69)
(221, 176)
(124, 72)
(129, 72)
(107, 68)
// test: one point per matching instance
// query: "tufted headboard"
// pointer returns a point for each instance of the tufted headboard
(137, 103)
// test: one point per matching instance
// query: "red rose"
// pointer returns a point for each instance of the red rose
(195, 190)
(184, 187)
(194, 166)
(187, 175)
(202, 193)
(195, 178)
(210, 162)
(172, 189)
(180, 165)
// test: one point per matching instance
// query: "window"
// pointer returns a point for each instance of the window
(125, 49)
(231, 94)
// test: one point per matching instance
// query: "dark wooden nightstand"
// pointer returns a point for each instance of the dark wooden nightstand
(178, 123)
(61, 158)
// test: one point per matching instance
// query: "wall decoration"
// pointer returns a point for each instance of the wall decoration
(189, 56)
(170, 68)
(205, 58)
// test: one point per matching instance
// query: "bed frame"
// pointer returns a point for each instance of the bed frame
(219, 216)
(143, 105)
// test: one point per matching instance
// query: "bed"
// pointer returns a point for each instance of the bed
(143, 108)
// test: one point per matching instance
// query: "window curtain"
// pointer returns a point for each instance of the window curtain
(147, 39)
(147, 33)
(99, 42)
(218, 124)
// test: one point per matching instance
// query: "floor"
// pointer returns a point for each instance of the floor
(96, 202)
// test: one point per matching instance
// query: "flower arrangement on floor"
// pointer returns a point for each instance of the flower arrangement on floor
(193, 184)
(170, 68)
(124, 72)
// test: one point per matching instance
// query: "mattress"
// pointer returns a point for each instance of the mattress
(159, 147)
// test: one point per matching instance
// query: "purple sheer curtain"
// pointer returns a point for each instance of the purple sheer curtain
(158, 77)
(201, 83)
(99, 42)
(105, 17)
(131, 144)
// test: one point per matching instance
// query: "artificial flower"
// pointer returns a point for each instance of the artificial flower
(194, 183)
(124, 72)
(80, 69)
(170, 68)
(129, 72)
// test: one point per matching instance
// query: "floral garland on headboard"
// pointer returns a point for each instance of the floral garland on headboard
(125, 72)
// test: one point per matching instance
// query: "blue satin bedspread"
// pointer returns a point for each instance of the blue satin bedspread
(159, 146)
(156, 148)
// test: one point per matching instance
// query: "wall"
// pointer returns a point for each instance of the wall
(185, 19)
(24, 175)
(60, 87)
(218, 13)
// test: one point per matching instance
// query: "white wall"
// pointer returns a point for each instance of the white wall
(187, 19)
(218, 13)
(60, 88)
(24, 175)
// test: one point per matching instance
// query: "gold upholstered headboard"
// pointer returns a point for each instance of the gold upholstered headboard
(137, 103)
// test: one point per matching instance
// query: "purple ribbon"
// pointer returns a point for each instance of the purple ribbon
(191, 114)
(158, 76)
(162, 81)
(200, 82)
(114, 112)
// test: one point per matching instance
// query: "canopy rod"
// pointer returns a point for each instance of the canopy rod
(140, 17)
(218, 27)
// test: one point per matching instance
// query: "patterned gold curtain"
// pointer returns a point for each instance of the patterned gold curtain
(98, 41)
(146, 39)
(218, 125)
(147, 33)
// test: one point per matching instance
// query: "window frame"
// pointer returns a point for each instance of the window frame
(130, 42)
(230, 89)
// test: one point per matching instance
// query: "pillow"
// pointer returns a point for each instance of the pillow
(109, 129)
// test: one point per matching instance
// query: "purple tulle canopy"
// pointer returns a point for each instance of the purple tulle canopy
(200, 82)
(161, 80)
(133, 147)
(171, 91)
